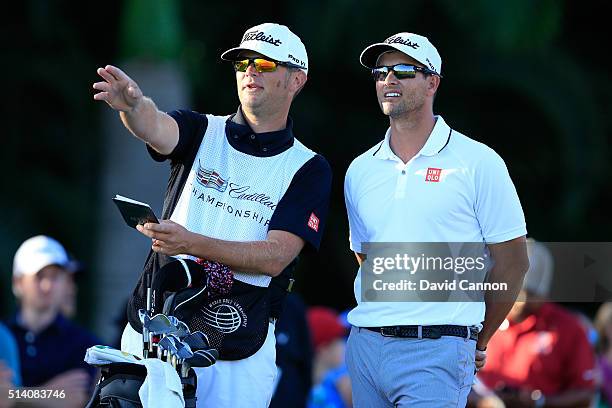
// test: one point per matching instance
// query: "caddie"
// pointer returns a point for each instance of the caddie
(243, 192)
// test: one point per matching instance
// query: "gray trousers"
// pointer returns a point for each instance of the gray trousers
(404, 372)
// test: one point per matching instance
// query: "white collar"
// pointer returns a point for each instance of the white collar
(437, 140)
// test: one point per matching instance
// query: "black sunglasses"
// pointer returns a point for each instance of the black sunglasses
(261, 65)
(401, 71)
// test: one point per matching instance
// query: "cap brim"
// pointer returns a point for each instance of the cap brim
(234, 53)
(74, 266)
(370, 55)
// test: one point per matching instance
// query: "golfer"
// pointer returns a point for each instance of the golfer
(425, 182)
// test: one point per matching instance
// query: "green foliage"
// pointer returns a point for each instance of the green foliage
(151, 30)
(504, 26)
(49, 163)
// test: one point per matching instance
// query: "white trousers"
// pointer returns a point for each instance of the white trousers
(242, 383)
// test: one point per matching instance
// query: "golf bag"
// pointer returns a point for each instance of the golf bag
(119, 384)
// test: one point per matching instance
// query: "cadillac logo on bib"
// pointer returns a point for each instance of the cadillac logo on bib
(210, 178)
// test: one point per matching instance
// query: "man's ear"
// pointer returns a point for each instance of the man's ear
(17, 286)
(299, 80)
(433, 84)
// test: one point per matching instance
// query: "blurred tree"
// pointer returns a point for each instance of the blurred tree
(151, 47)
(151, 30)
(48, 164)
(513, 49)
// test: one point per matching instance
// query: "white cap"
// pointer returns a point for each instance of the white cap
(413, 45)
(38, 252)
(274, 41)
(541, 265)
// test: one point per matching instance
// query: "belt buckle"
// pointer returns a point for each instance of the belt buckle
(473, 333)
(434, 333)
(388, 331)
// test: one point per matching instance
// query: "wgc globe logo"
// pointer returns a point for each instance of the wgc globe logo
(224, 315)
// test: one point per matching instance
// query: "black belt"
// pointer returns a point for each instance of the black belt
(427, 332)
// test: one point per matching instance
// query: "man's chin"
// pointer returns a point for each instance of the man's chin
(43, 305)
(252, 102)
(389, 109)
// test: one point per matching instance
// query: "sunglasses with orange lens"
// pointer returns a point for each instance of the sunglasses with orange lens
(261, 65)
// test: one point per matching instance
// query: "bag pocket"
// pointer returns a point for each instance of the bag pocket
(236, 324)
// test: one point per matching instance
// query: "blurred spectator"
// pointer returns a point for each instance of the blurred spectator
(541, 355)
(293, 355)
(588, 327)
(9, 357)
(68, 307)
(51, 348)
(603, 325)
(332, 386)
(6, 384)
(10, 377)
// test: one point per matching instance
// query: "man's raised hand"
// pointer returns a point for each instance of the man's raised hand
(117, 89)
(137, 112)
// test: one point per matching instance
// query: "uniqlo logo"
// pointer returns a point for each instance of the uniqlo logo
(433, 174)
(313, 222)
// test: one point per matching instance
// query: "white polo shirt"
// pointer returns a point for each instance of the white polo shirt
(454, 189)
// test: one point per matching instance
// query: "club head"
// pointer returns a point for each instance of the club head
(184, 351)
(182, 329)
(174, 338)
(168, 343)
(176, 341)
(159, 324)
(197, 340)
(203, 358)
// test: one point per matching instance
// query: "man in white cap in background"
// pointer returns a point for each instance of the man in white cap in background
(541, 355)
(425, 182)
(51, 348)
(253, 196)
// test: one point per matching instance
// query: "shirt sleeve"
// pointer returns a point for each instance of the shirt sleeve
(192, 126)
(303, 208)
(497, 205)
(10, 354)
(85, 341)
(357, 230)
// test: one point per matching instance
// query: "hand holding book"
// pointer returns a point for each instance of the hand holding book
(134, 212)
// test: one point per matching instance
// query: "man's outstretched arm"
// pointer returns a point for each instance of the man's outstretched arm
(138, 113)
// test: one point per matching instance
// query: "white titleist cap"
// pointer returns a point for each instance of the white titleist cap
(38, 252)
(413, 45)
(274, 41)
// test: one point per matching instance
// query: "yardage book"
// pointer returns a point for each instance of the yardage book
(134, 212)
